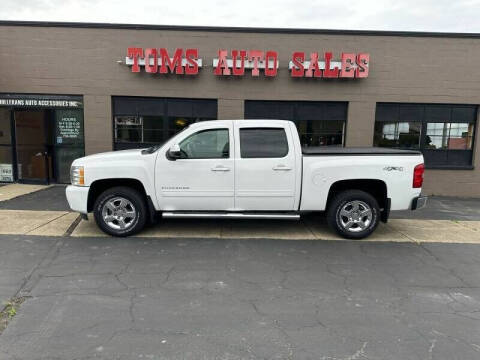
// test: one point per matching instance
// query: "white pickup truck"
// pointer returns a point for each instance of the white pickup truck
(245, 169)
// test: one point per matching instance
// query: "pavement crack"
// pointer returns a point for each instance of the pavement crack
(317, 317)
(252, 302)
(132, 305)
(431, 348)
(284, 278)
(347, 288)
(475, 347)
(32, 277)
(169, 273)
(45, 224)
(449, 270)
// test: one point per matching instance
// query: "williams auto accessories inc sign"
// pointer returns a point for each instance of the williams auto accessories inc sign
(238, 62)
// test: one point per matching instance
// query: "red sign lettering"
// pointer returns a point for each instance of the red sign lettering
(362, 68)
(175, 64)
(151, 54)
(222, 65)
(135, 53)
(273, 56)
(328, 72)
(238, 71)
(191, 68)
(350, 65)
(158, 60)
(252, 59)
(297, 59)
(255, 56)
(313, 69)
(187, 61)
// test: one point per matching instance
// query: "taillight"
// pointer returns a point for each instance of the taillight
(418, 175)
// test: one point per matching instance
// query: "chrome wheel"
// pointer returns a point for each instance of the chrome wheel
(355, 216)
(119, 213)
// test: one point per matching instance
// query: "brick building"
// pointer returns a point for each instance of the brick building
(69, 89)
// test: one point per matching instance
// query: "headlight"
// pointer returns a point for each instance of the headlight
(77, 175)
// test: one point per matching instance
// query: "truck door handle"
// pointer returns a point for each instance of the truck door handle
(282, 168)
(220, 168)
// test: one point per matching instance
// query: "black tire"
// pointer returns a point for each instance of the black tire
(132, 224)
(357, 226)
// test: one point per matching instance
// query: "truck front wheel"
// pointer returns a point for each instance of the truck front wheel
(353, 214)
(120, 211)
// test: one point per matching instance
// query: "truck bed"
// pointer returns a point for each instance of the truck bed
(333, 150)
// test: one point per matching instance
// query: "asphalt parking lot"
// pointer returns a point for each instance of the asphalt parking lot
(238, 290)
(91, 298)
(48, 199)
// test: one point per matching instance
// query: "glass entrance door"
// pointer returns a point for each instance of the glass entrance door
(68, 143)
(31, 135)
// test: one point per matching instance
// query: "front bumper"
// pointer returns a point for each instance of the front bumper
(77, 197)
(419, 202)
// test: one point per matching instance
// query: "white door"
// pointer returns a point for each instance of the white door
(264, 167)
(203, 177)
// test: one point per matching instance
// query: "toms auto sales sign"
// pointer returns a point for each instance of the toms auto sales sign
(255, 62)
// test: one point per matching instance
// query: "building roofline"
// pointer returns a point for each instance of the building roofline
(239, 29)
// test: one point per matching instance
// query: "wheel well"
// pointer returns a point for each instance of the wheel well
(100, 186)
(376, 188)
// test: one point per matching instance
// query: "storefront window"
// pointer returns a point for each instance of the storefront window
(153, 129)
(178, 123)
(398, 134)
(449, 136)
(318, 123)
(321, 133)
(141, 122)
(444, 133)
(128, 129)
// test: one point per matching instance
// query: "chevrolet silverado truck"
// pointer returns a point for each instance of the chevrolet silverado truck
(245, 169)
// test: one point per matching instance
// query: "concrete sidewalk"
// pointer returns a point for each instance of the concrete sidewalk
(63, 223)
(30, 222)
(309, 228)
(43, 211)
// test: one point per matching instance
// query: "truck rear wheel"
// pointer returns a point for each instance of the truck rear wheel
(120, 211)
(353, 214)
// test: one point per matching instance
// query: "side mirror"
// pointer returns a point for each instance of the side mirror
(174, 152)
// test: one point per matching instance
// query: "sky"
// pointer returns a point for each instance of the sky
(403, 15)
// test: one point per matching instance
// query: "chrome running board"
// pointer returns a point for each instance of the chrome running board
(202, 215)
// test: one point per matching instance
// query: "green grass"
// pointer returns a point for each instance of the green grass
(10, 309)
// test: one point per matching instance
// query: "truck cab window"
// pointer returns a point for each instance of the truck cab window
(206, 144)
(263, 143)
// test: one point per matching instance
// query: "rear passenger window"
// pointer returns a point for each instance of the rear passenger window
(263, 143)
